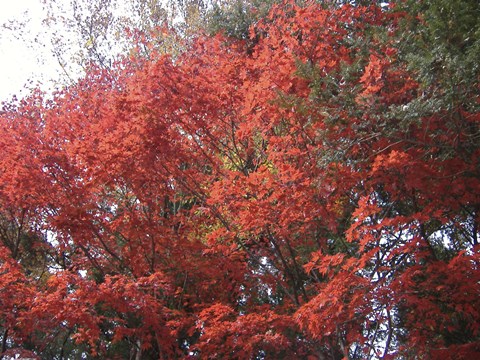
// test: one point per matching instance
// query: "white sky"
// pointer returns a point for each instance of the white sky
(21, 58)
(26, 56)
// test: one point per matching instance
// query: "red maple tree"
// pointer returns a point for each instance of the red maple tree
(304, 194)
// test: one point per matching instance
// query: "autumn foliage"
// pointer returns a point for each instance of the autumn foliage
(303, 194)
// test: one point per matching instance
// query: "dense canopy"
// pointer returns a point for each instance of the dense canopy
(310, 190)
